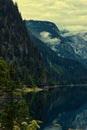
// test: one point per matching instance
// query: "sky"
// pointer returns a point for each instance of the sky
(66, 14)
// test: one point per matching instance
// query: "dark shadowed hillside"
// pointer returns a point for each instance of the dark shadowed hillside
(16, 47)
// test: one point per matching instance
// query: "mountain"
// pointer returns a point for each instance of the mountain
(58, 57)
(48, 33)
(16, 48)
(71, 45)
(82, 34)
(78, 41)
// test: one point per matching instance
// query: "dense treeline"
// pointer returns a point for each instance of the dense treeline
(20, 63)
(14, 112)
(16, 47)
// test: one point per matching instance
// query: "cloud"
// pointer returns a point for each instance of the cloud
(62, 12)
(47, 38)
(76, 27)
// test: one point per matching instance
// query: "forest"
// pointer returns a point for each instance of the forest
(20, 64)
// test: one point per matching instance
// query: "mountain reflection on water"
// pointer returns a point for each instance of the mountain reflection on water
(60, 108)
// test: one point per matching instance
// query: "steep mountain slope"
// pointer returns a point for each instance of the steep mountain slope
(48, 33)
(16, 47)
(82, 34)
(78, 41)
(71, 45)
(60, 70)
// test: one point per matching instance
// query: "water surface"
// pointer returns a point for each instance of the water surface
(60, 108)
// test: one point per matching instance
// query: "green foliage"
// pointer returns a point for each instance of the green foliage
(4, 73)
(14, 113)
(33, 125)
(12, 104)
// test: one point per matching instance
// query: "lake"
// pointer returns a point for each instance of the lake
(60, 108)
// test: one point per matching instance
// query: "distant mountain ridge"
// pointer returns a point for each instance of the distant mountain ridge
(58, 56)
(50, 34)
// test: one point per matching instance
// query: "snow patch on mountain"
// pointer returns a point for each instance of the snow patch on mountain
(79, 45)
(82, 34)
(78, 41)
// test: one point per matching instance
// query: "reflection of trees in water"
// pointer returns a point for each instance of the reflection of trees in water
(49, 104)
